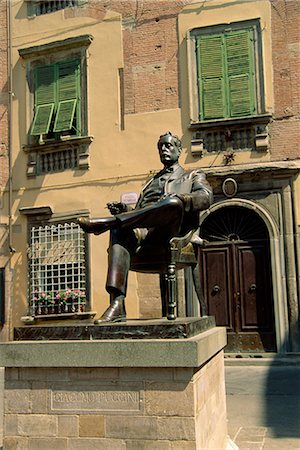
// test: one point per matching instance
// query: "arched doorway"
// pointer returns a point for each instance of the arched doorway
(236, 276)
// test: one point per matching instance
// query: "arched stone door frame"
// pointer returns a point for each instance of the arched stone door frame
(277, 264)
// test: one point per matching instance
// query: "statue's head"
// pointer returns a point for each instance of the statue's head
(169, 147)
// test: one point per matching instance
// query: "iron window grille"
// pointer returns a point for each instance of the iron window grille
(45, 7)
(57, 276)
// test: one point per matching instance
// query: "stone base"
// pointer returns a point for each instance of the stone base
(125, 406)
(180, 328)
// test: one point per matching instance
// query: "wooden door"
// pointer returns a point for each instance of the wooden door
(236, 277)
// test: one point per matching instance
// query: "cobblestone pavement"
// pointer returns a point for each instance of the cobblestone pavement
(263, 406)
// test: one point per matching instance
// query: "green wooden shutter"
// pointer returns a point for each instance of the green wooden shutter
(211, 77)
(68, 94)
(44, 99)
(42, 119)
(239, 58)
(65, 115)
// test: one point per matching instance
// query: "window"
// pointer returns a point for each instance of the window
(57, 275)
(57, 137)
(57, 105)
(229, 71)
(38, 8)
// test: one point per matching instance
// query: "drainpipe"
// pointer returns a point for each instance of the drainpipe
(9, 150)
(10, 96)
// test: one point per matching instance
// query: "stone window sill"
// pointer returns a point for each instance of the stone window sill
(260, 118)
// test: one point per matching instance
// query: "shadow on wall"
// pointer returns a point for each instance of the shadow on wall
(282, 398)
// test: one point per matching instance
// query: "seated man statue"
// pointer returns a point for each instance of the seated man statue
(168, 206)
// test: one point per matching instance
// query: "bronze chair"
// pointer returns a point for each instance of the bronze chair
(180, 253)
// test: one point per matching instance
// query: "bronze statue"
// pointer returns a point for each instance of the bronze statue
(168, 206)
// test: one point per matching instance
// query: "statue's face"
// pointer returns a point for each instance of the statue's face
(168, 151)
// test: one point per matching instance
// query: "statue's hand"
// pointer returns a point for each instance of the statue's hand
(116, 207)
(169, 195)
(185, 198)
(172, 195)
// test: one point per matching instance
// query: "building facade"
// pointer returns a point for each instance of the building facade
(5, 187)
(95, 83)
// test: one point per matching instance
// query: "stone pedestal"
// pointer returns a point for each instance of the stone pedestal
(121, 394)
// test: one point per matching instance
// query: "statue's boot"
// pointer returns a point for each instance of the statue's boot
(97, 226)
(115, 312)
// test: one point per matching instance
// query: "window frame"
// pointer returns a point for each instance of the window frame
(221, 29)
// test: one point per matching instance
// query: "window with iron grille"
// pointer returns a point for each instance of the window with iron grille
(37, 8)
(229, 71)
(57, 275)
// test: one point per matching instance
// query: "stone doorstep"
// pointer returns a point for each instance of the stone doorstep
(190, 352)
(261, 359)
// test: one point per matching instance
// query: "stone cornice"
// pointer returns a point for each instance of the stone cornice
(191, 352)
(274, 167)
(36, 211)
(73, 42)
